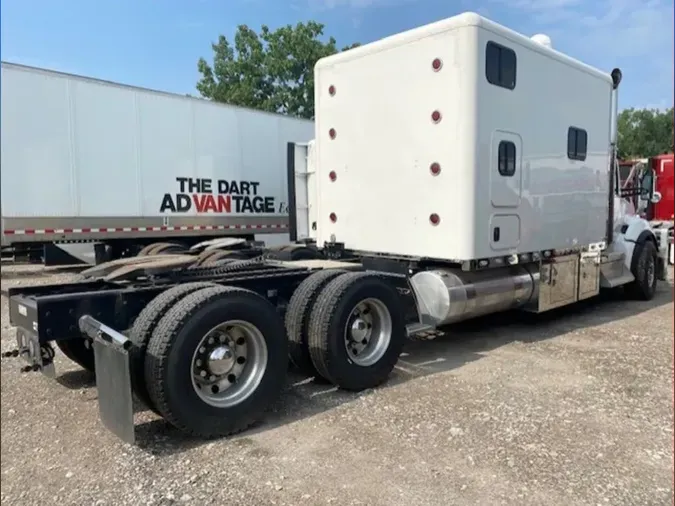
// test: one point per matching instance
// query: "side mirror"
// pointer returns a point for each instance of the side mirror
(656, 198)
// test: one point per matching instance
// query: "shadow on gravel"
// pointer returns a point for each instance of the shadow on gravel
(44, 272)
(461, 344)
(77, 380)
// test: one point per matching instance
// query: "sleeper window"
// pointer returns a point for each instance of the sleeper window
(500, 65)
(506, 158)
(577, 143)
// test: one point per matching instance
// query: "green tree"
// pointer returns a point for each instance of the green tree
(272, 71)
(645, 132)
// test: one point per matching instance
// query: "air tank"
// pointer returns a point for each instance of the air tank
(450, 295)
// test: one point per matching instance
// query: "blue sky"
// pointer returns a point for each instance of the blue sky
(156, 44)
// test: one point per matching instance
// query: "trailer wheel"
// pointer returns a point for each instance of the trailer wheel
(356, 331)
(216, 361)
(142, 330)
(78, 351)
(643, 267)
(297, 318)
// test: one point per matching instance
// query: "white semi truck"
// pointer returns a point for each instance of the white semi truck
(458, 169)
(94, 170)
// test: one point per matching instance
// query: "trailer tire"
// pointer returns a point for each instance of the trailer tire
(382, 333)
(76, 350)
(185, 333)
(303, 253)
(142, 330)
(297, 318)
(214, 256)
(644, 268)
(159, 248)
(146, 250)
(168, 248)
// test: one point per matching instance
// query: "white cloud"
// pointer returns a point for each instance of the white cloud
(636, 35)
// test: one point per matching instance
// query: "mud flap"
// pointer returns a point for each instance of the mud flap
(113, 378)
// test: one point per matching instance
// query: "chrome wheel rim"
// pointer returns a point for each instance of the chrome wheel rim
(651, 272)
(229, 363)
(368, 332)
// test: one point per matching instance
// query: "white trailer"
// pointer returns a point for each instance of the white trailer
(85, 160)
(458, 169)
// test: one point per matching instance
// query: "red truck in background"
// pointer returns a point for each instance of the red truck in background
(664, 210)
(660, 212)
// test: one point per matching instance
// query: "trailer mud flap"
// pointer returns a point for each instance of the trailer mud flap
(113, 378)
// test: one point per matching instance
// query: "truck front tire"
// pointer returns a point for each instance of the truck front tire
(644, 269)
(356, 331)
(216, 361)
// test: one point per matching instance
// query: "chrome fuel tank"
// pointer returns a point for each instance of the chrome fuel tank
(450, 295)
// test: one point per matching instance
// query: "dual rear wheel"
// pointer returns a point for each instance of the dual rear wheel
(211, 359)
(347, 328)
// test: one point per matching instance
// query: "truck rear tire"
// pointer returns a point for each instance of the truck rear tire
(643, 267)
(356, 331)
(297, 318)
(77, 351)
(216, 361)
(142, 330)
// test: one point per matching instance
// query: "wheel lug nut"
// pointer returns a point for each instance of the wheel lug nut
(211, 340)
(199, 362)
(202, 350)
(212, 378)
(202, 374)
(222, 338)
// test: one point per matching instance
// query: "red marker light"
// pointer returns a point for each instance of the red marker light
(436, 116)
(331, 90)
(332, 133)
(435, 169)
(437, 64)
(434, 219)
(333, 217)
(332, 175)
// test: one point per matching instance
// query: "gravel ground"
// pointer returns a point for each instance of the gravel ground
(569, 408)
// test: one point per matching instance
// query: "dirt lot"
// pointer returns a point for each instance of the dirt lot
(571, 408)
